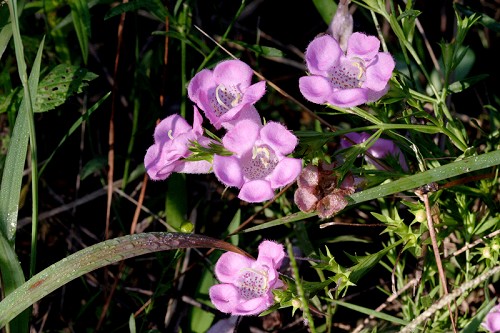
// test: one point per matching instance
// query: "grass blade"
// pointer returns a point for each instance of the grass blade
(97, 256)
(454, 169)
(370, 312)
(81, 21)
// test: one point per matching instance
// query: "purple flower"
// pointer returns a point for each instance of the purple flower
(350, 79)
(247, 284)
(319, 190)
(259, 164)
(173, 137)
(492, 320)
(380, 149)
(225, 93)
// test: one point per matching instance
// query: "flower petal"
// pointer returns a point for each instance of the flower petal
(278, 138)
(171, 127)
(200, 83)
(197, 121)
(247, 112)
(155, 164)
(225, 297)
(379, 72)
(253, 93)
(308, 178)
(242, 137)
(253, 306)
(233, 72)
(315, 88)
(362, 46)
(228, 170)
(305, 200)
(287, 170)
(272, 250)
(193, 167)
(322, 53)
(256, 191)
(229, 265)
(348, 97)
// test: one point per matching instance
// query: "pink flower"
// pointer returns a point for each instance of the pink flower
(247, 284)
(380, 149)
(259, 164)
(350, 79)
(492, 320)
(225, 93)
(173, 137)
(319, 190)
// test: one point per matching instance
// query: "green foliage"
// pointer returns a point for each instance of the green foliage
(61, 64)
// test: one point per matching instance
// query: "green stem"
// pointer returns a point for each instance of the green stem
(97, 256)
(300, 289)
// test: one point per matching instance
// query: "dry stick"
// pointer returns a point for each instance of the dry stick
(139, 204)
(476, 242)
(435, 248)
(111, 139)
(448, 298)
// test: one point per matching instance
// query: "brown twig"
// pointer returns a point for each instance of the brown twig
(435, 248)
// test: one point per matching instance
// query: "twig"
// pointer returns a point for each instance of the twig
(435, 248)
(410, 328)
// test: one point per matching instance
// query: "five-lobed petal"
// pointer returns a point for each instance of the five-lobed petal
(225, 94)
(246, 284)
(259, 164)
(360, 75)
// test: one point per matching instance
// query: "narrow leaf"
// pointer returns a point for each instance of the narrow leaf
(97, 256)
(81, 21)
(370, 312)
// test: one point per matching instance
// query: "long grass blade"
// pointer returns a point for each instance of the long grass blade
(97, 256)
(450, 170)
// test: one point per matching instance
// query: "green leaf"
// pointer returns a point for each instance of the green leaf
(60, 83)
(10, 270)
(94, 165)
(81, 21)
(484, 19)
(370, 312)
(366, 263)
(176, 205)
(233, 225)
(473, 325)
(459, 86)
(265, 51)
(97, 256)
(326, 8)
(155, 7)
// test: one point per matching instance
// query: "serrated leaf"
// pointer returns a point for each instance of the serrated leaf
(62, 82)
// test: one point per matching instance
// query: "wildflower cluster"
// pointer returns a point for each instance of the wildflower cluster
(345, 70)
(257, 163)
